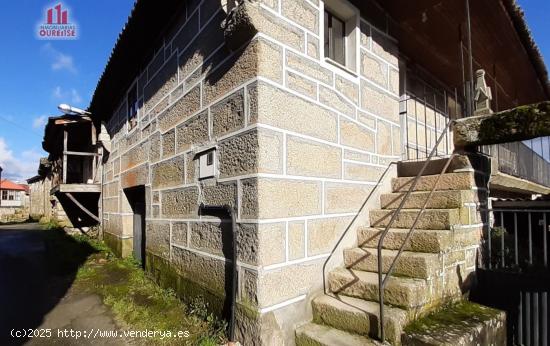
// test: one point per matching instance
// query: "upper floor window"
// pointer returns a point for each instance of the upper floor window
(4, 195)
(340, 34)
(335, 38)
(132, 108)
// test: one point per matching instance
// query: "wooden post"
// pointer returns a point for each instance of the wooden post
(65, 139)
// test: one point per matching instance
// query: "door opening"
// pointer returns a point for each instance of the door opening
(136, 199)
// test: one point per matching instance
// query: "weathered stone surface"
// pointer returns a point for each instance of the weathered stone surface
(273, 198)
(410, 264)
(330, 98)
(157, 234)
(379, 103)
(259, 58)
(385, 47)
(448, 181)
(183, 108)
(323, 234)
(357, 156)
(220, 194)
(476, 325)
(134, 156)
(353, 171)
(135, 177)
(278, 108)
(192, 132)
(320, 335)
(517, 124)
(161, 83)
(309, 68)
(299, 277)
(366, 119)
(312, 46)
(399, 292)
(309, 158)
(432, 241)
(356, 136)
(179, 233)
(374, 69)
(345, 198)
(206, 271)
(110, 205)
(384, 138)
(190, 168)
(247, 243)
(180, 203)
(439, 199)
(207, 237)
(155, 147)
(301, 12)
(228, 114)
(359, 316)
(301, 85)
(296, 240)
(271, 243)
(394, 81)
(347, 88)
(430, 219)
(168, 173)
(254, 151)
(169, 143)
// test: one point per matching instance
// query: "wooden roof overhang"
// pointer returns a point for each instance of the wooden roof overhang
(53, 132)
(429, 33)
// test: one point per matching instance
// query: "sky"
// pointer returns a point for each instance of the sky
(37, 75)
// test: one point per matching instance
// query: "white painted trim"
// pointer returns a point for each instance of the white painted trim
(282, 304)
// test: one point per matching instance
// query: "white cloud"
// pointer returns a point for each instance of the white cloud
(39, 122)
(66, 95)
(21, 168)
(59, 60)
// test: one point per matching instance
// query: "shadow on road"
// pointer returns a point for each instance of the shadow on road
(37, 267)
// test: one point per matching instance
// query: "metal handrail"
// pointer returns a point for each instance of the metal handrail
(379, 182)
(381, 279)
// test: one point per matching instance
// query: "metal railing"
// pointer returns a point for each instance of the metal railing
(382, 280)
(337, 245)
(424, 122)
(516, 248)
(520, 160)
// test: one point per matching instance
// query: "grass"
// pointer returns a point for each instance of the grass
(136, 301)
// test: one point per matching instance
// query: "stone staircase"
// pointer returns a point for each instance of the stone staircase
(433, 269)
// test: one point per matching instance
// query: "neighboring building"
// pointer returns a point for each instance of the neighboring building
(44, 206)
(12, 194)
(289, 111)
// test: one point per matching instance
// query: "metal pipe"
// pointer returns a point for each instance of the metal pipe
(228, 210)
(502, 239)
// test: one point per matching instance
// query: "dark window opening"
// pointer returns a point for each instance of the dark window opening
(209, 159)
(132, 108)
(335, 38)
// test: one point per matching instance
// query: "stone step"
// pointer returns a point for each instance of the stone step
(359, 316)
(313, 334)
(448, 181)
(430, 219)
(421, 240)
(401, 292)
(438, 200)
(435, 166)
(411, 264)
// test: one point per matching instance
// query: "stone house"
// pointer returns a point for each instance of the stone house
(12, 194)
(288, 112)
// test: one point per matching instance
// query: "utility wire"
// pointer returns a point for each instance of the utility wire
(13, 123)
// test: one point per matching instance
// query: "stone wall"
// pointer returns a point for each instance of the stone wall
(40, 204)
(299, 142)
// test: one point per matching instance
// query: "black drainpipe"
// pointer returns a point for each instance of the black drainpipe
(227, 210)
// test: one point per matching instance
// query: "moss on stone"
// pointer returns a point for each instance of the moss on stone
(463, 314)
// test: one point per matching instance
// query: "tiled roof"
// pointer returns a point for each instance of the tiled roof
(9, 185)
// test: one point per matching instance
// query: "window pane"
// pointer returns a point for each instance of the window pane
(338, 35)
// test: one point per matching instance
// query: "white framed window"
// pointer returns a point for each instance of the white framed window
(340, 34)
(4, 195)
